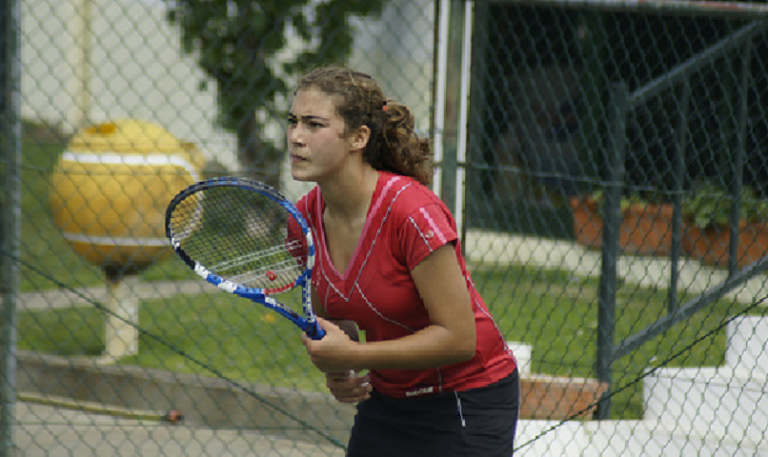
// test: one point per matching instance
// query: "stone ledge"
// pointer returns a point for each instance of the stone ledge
(206, 402)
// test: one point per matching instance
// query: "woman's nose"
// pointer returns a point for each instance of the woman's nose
(295, 135)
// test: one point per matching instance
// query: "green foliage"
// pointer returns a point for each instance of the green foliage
(709, 205)
(237, 43)
(626, 200)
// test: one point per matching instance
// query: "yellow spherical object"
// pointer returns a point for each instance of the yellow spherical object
(111, 186)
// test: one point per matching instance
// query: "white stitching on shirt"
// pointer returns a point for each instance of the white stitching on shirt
(421, 234)
(378, 232)
(331, 285)
(373, 308)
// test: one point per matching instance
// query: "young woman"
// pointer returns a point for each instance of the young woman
(441, 380)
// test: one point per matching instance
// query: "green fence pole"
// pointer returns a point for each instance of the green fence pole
(678, 170)
(738, 154)
(606, 315)
(10, 214)
(594, 49)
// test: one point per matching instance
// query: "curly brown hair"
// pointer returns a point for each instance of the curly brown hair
(393, 146)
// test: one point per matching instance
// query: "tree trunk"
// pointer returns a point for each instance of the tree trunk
(259, 159)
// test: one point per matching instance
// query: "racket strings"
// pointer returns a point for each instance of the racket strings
(282, 270)
(253, 257)
(241, 236)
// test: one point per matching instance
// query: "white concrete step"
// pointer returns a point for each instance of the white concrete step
(690, 412)
(644, 438)
(721, 404)
(522, 353)
(708, 402)
(649, 438)
(747, 346)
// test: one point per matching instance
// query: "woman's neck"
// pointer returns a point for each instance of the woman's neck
(350, 198)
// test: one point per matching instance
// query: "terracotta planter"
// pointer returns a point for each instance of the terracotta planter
(711, 245)
(644, 229)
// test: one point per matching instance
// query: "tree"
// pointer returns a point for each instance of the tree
(236, 43)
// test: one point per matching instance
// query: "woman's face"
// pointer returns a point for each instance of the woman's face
(317, 144)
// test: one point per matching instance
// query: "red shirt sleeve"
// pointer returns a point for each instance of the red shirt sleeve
(423, 231)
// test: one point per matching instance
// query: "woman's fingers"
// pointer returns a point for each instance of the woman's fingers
(348, 387)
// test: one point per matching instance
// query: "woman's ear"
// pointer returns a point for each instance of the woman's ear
(359, 139)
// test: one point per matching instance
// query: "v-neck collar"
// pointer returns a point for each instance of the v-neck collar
(383, 183)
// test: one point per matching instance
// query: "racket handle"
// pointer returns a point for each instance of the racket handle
(315, 331)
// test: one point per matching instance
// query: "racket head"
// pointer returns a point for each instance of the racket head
(246, 238)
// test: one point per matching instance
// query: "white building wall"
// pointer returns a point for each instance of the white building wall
(133, 67)
(45, 44)
(398, 51)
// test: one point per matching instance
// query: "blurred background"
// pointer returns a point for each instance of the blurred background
(606, 162)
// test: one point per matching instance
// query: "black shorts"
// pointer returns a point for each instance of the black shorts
(477, 422)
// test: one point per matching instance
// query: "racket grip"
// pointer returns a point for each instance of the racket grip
(315, 331)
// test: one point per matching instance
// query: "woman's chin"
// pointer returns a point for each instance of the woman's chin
(299, 176)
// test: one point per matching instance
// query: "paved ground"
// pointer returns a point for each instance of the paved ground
(53, 432)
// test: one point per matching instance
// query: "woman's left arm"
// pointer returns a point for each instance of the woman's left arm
(449, 339)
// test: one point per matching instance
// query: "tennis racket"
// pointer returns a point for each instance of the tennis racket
(247, 239)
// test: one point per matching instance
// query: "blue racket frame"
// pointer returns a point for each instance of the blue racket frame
(307, 323)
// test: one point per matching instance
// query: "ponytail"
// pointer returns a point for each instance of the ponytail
(397, 148)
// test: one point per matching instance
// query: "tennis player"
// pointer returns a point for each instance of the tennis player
(441, 380)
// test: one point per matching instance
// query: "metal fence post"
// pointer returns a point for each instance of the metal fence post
(737, 155)
(450, 163)
(10, 214)
(679, 172)
(606, 315)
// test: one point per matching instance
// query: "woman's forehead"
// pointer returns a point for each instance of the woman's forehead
(313, 101)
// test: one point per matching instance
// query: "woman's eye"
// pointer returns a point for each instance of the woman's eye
(292, 121)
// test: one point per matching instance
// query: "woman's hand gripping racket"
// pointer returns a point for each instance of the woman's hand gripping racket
(247, 239)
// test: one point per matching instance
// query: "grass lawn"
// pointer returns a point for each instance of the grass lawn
(551, 310)
(232, 336)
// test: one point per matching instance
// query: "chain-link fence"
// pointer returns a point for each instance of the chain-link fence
(607, 162)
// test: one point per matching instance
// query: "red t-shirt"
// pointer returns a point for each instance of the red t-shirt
(405, 223)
